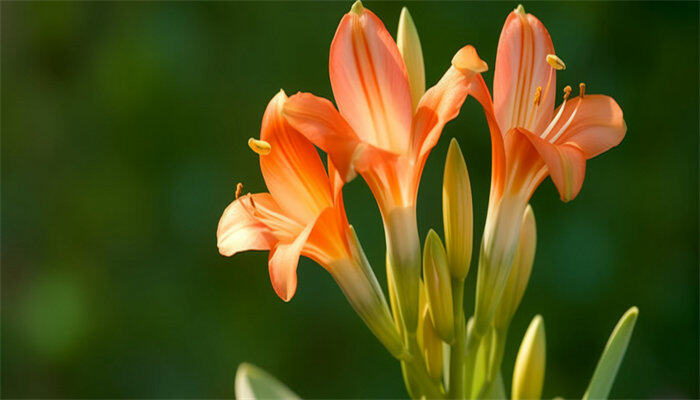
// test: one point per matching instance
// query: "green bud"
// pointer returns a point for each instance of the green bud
(430, 345)
(457, 212)
(409, 46)
(438, 286)
(519, 271)
(528, 374)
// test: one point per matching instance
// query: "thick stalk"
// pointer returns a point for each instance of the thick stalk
(473, 342)
(458, 347)
(403, 254)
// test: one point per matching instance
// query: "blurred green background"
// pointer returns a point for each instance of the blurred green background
(124, 129)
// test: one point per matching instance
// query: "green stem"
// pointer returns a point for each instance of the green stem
(472, 348)
(458, 347)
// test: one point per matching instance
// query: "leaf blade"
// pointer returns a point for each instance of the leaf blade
(609, 363)
(252, 383)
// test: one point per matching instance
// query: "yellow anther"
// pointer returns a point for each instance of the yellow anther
(538, 95)
(520, 9)
(239, 189)
(555, 62)
(259, 146)
(567, 92)
(582, 89)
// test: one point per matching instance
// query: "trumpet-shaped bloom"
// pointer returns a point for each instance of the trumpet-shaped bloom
(303, 214)
(376, 132)
(532, 140)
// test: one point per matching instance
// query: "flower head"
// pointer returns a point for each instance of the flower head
(303, 212)
(375, 130)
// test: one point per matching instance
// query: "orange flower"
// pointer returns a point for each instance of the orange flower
(376, 132)
(302, 214)
(531, 140)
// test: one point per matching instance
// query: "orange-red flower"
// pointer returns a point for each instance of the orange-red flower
(376, 132)
(531, 139)
(302, 214)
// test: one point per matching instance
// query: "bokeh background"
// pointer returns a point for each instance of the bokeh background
(124, 129)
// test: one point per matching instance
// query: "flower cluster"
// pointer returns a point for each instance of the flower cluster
(382, 127)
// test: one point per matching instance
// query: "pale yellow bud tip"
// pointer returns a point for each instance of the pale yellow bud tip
(467, 60)
(528, 374)
(357, 8)
(261, 147)
(520, 9)
(555, 62)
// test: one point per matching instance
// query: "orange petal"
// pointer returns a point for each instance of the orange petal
(283, 262)
(521, 67)
(293, 171)
(317, 119)
(480, 92)
(566, 163)
(239, 230)
(597, 126)
(370, 82)
(441, 103)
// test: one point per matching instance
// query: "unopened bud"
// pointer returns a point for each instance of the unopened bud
(528, 374)
(438, 286)
(457, 212)
(430, 345)
(409, 46)
(519, 271)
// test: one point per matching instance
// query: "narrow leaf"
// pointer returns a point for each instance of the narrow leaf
(252, 383)
(610, 361)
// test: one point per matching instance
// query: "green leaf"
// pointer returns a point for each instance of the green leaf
(610, 361)
(252, 383)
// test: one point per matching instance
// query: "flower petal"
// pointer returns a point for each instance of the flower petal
(597, 126)
(283, 262)
(566, 163)
(521, 67)
(239, 230)
(370, 82)
(317, 119)
(441, 103)
(480, 92)
(293, 171)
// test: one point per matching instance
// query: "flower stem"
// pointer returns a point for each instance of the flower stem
(458, 347)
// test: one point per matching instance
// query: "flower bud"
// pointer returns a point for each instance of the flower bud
(438, 286)
(430, 344)
(457, 212)
(519, 271)
(409, 46)
(528, 374)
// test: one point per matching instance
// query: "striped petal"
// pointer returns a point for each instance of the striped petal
(293, 171)
(370, 82)
(521, 67)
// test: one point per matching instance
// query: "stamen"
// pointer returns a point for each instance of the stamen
(261, 147)
(567, 92)
(538, 94)
(555, 62)
(252, 202)
(535, 104)
(239, 189)
(571, 118)
(582, 89)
